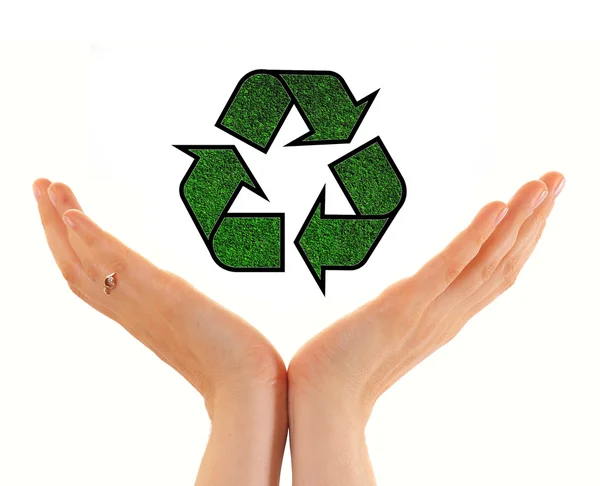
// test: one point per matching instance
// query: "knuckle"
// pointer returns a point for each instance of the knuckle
(509, 280)
(450, 267)
(510, 272)
(488, 271)
(477, 237)
(511, 267)
(118, 265)
(452, 270)
(421, 337)
(449, 335)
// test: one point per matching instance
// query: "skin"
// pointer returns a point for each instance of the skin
(332, 383)
(236, 369)
(337, 376)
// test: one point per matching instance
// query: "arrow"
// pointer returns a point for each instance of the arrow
(375, 190)
(263, 98)
(237, 241)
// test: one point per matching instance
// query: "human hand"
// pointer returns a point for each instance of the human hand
(236, 369)
(336, 377)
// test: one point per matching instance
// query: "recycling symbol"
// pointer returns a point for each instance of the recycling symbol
(254, 242)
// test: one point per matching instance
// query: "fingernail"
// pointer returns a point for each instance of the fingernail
(501, 215)
(52, 196)
(36, 192)
(559, 188)
(540, 198)
(68, 221)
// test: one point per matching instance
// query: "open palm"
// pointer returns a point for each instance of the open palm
(209, 345)
(336, 377)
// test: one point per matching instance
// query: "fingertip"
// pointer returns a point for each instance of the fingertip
(60, 187)
(502, 211)
(535, 185)
(62, 197)
(539, 185)
(559, 187)
(554, 181)
(530, 195)
(494, 206)
(68, 221)
(39, 185)
(55, 188)
(493, 212)
(498, 206)
(541, 196)
(553, 174)
(75, 214)
(42, 181)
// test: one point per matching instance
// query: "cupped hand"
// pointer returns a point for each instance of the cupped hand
(218, 352)
(351, 363)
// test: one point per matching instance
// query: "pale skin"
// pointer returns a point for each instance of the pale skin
(327, 393)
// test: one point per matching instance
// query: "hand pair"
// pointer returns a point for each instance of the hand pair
(328, 391)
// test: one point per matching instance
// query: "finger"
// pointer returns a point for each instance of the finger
(56, 236)
(510, 268)
(63, 199)
(522, 205)
(62, 196)
(146, 298)
(66, 259)
(504, 285)
(441, 270)
(136, 276)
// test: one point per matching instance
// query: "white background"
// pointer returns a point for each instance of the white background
(476, 98)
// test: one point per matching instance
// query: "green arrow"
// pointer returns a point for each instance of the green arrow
(262, 100)
(331, 242)
(236, 241)
(376, 191)
(327, 104)
(256, 109)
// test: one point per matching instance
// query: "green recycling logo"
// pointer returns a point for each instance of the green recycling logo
(368, 177)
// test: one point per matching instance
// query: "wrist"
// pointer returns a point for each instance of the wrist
(329, 404)
(328, 392)
(327, 437)
(247, 399)
(249, 430)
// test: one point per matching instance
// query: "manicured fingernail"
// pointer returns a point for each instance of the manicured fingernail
(501, 215)
(559, 188)
(36, 192)
(540, 198)
(52, 196)
(68, 221)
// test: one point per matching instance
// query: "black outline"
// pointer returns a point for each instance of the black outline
(321, 200)
(256, 190)
(298, 141)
